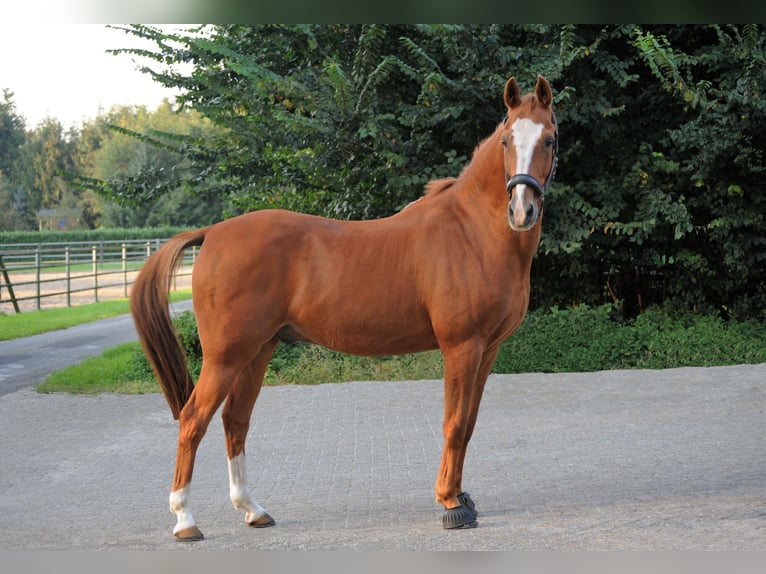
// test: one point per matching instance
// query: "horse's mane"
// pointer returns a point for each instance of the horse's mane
(438, 185)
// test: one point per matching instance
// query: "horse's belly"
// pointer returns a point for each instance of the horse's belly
(369, 336)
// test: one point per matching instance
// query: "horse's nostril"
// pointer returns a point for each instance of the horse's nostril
(530, 211)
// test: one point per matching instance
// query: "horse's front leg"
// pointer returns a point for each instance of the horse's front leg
(487, 362)
(462, 394)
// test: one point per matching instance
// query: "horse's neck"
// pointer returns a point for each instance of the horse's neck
(481, 190)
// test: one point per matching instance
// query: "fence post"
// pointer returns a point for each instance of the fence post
(9, 286)
(148, 250)
(38, 263)
(94, 256)
(68, 266)
(124, 270)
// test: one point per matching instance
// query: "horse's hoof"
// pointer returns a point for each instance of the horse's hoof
(262, 521)
(459, 517)
(190, 534)
(465, 499)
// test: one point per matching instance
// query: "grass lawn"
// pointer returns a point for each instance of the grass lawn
(108, 373)
(36, 322)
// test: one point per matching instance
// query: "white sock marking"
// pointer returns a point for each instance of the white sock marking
(239, 491)
(179, 501)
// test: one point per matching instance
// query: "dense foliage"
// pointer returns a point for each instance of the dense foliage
(659, 195)
(584, 339)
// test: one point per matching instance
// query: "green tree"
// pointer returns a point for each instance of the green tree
(14, 213)
(659, 194)
(664, 198)
(324, 119)
(45, 153)
(126, 143)
(11, 134)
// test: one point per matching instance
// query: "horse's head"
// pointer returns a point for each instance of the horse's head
(530, 140)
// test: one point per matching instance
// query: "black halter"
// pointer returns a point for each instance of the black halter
(526, 179)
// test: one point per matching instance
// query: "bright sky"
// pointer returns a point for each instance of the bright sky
(63, 71)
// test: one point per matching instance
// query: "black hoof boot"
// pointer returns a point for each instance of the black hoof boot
(459, 517)
(465, 499)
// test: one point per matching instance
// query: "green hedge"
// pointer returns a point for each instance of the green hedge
(580, 339)
(584, 339)
(9, 237)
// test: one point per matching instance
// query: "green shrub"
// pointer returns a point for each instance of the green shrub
(10, 237)
(185, 325)
(580, 339)
(697, 340)
(186, 329)
(311, 364)
(585, 338)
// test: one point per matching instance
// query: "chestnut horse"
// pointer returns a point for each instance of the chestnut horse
(451, 271)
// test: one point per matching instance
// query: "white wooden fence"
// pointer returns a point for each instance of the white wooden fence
(34, 276)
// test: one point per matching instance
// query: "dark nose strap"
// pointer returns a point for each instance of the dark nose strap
(526, 179)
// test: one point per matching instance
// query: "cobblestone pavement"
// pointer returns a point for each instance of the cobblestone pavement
(646, 460)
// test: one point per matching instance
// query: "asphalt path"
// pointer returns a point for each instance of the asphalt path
(617, 460)
(28, 361)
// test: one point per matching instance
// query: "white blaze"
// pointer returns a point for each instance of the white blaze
(526, 133)
(525, 136)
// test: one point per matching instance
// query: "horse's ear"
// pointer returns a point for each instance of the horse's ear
(512, 94)
(543, 92)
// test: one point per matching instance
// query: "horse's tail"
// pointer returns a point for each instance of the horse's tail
(149, 304)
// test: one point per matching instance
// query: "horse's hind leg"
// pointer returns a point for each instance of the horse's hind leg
(214, 383)
(236, 422)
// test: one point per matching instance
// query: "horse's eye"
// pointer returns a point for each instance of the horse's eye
(549, 141)
(504, 141)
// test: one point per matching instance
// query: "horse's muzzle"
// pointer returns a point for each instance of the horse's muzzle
(523, 211)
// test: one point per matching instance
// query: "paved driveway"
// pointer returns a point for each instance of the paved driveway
(648, 460)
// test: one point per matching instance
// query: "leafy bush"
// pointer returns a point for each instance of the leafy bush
(579, 339)
(310, 364)
(585, 338)
(186, 329)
